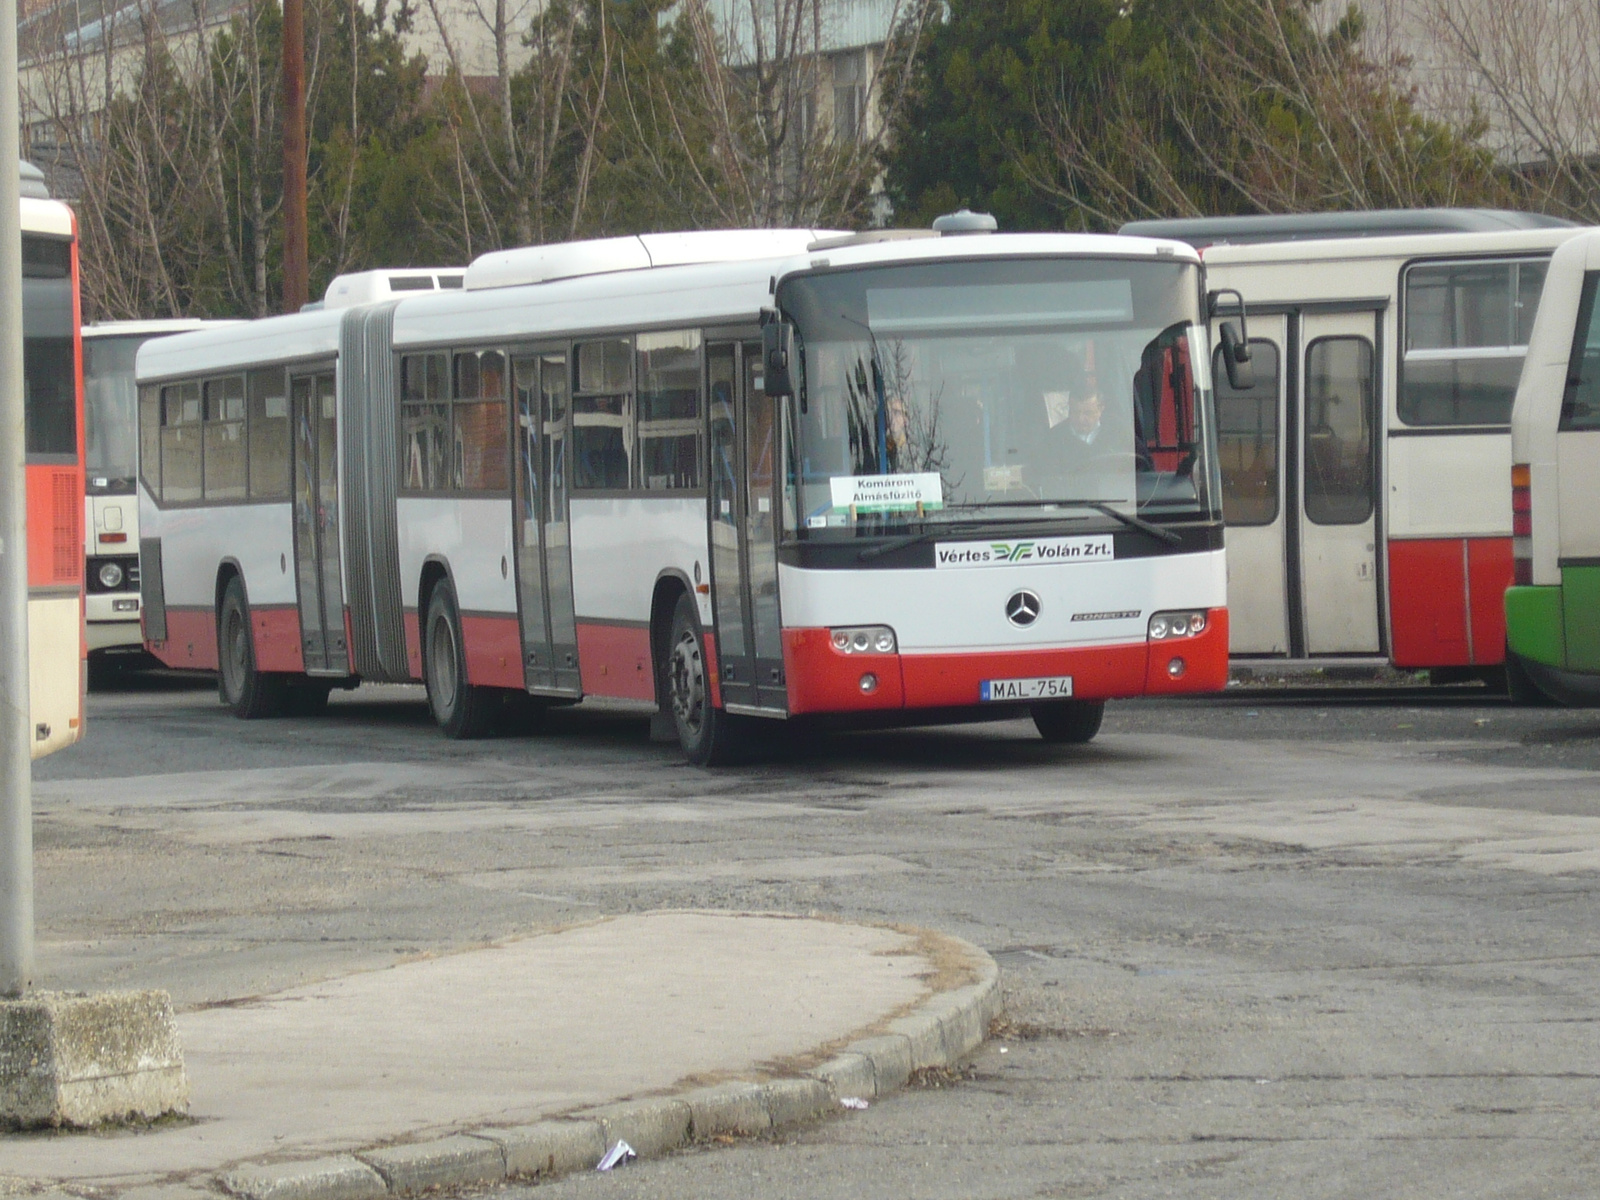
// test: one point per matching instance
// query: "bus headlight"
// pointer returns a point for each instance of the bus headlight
(110, 576)
(1167, 625)
(863, 639)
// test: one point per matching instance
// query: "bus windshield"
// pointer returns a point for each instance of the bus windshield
(998, 390)
(110, 412)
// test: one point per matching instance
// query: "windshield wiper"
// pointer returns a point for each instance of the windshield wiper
(1128, 519)
(882, 548)
(1100, 506)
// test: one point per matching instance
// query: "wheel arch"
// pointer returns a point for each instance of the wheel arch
(670, 585)
(227, 571)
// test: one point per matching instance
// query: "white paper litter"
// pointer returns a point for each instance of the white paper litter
(852, 1102)
(618, 1154)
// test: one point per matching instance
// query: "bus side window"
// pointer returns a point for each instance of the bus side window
(669, 410)
(478, 460)
(1466, 334)
(150, 438)
(225, 438)
(1580, 405)
(602, 420)
(181, 455)
(1247, 439)
(269, 435)
(424, 422)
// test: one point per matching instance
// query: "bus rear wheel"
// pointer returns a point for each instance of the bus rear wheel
(1069, 722)
(460, 709)
(707, 734)
(252, 694)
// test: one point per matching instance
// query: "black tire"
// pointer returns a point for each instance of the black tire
(1069, 722)
(306, 698)
(105, 673)
(460, 709)
(1521, 688)
(252, 694)
(709, 736)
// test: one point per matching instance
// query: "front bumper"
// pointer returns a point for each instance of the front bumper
(824, 680)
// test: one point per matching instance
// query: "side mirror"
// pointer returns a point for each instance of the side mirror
(777, 353)
(1236, 358)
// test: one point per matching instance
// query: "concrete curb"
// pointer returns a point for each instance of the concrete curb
(940, 1033)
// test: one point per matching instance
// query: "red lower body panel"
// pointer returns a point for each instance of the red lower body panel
(191, 639)
(821, 679)
(277, 638)
(614, 660)
(494, 651)
(1447, 601)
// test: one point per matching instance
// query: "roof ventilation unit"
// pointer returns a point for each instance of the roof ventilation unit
(960, 224)
(602, 256)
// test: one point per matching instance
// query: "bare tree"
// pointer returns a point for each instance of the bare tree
(741, 136)
(1258, 108)
(1529, 70)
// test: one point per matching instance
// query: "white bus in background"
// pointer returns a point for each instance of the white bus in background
(730, 477)
(111, 505)
(1363, 474)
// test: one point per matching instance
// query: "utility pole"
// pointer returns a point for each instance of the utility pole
(296, 265)
(16, 763)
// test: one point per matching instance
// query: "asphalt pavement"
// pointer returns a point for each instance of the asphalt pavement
(1275, 943)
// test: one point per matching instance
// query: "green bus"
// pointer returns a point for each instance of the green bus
(1553, 606)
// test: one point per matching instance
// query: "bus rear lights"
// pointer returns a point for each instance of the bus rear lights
(1521, 525)
(869, 684)
(863, 639)
(1175, 668)
(124, 606)
(1167, 625)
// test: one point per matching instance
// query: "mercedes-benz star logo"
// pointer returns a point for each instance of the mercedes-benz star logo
(1022, 609)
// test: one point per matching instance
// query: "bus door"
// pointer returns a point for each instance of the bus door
(543, 548)
(316, 525)
(744, 558)
(1250, 442)
(1338, 478)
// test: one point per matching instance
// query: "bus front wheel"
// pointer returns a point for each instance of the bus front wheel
(460, 709)
(251, 694)
(1070, 722)
(706, 733)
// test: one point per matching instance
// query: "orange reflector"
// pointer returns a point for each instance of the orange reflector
(1521, 476)
(113, 537)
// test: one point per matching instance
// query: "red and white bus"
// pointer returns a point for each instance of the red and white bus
(726, 476)
(1364, 473)
(53, 402)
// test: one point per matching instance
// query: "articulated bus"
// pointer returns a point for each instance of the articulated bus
(111, 432)
(1363, 473)
(53, 403)
(1553, 611)
(729, 477)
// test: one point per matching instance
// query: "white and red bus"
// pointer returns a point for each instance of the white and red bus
(111, 429)
(1364, 473)
(726, 476)
(53, 403)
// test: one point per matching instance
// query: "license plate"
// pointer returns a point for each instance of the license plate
(1049, 687)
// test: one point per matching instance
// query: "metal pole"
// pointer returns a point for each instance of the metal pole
(296, 269)
(16, 767)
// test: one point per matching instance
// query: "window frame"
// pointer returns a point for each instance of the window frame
(1567, 422)
(1455, 353)
(1369, 409)
(1219, 381)
(641, 485)
(628, 417)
